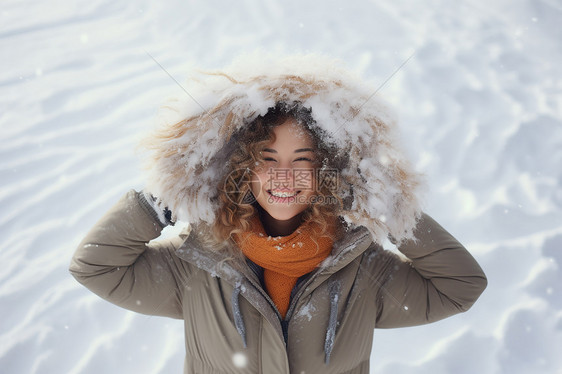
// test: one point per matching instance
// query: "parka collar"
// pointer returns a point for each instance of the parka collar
(222, 265)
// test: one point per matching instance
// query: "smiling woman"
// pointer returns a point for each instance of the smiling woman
(283, 269)
(286, 181)
(276, 192)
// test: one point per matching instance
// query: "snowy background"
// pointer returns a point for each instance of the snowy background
(480, 103)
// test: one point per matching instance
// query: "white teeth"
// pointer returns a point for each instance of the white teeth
(283, 194)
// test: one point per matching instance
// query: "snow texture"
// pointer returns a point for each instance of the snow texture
(478, 93)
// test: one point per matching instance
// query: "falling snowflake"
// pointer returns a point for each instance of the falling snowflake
(239, 360)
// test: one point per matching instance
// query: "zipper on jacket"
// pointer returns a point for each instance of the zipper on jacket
(311, 279)
(299, 292)
(258, 271)
(285, 328)
(266, 296)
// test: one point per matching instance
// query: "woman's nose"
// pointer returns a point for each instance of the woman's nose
(282, 177)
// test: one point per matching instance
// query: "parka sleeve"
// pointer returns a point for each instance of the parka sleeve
(116, 262)
(440, 279)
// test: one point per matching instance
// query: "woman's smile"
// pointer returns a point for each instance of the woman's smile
(282, 196)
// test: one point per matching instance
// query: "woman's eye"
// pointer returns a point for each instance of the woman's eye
(268, 159)
(303, 159)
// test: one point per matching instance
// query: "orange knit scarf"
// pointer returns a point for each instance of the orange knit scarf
(284, 258)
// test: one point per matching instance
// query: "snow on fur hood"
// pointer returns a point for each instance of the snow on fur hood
(189, 150)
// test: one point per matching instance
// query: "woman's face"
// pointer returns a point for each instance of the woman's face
(285, 184)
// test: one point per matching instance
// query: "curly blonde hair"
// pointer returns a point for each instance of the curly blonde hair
(235, 199)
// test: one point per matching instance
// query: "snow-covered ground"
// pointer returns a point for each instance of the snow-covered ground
(480, 103)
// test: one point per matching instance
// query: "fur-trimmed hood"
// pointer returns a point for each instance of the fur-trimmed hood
(188, 152)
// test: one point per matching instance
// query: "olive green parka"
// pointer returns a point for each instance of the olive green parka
(231, 324)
